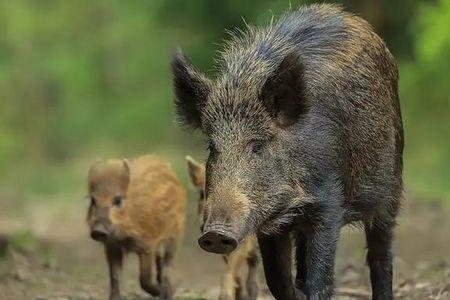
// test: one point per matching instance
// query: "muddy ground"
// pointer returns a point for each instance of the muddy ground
(50, 256)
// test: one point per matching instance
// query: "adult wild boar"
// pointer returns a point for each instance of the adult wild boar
(137, 206)
(305, 136)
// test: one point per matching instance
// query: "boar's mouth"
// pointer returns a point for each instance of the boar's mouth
(280, 221)
(280, 216)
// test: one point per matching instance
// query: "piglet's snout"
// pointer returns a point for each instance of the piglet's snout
(99, 232)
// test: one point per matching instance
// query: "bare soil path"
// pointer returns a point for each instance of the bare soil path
(50, 256)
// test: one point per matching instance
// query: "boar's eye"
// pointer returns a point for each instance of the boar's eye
(92, 201)
(117, 200)
(255, 146)
(211, 146)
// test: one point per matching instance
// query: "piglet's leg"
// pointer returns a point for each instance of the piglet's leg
(227, 287)
(231, 285)
(252, 277)
(164, 263)
(240, 290)
(114, 257)
(148, 275)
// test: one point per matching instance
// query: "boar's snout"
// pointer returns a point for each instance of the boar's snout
(225, 213)
(217, 242)
(99, 232)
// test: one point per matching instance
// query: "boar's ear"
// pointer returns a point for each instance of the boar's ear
(283, 91)
(196, 172)
(191, 90)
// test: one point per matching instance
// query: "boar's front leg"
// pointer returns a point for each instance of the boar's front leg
(114, 255)
(300, 257)
(320, 255)
(147, 272)
(276, 255)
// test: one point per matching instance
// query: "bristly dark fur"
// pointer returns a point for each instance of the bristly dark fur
(305, 135)
(191, 90)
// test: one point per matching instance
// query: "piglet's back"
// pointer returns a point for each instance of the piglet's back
(157, 200)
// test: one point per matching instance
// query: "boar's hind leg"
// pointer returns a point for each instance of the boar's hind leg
(276, 255)
(147, 269)
(114, 256)
(252, 277)
(379, 258)
(164, 263)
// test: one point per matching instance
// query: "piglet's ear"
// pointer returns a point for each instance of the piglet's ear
(93, 176)
(283, 91)
(126, 173)
(196, 172)
(191, 90)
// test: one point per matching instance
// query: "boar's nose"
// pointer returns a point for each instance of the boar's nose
(217, 242)
(99, 233)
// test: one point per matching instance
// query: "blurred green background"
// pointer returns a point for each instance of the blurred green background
(82, 80)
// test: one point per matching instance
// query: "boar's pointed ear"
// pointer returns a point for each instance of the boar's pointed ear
(191, 90)
(196, 172)
(283, 91)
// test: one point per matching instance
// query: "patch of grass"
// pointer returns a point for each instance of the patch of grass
(23, 241)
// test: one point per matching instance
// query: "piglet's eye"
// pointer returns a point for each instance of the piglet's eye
(117, 200)
(92, 201)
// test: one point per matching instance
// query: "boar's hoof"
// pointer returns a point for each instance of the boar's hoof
(216, 242)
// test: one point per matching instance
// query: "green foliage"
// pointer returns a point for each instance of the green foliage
(87, 79)
(425, 94)
(74, 72)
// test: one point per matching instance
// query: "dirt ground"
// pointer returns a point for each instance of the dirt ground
(50, 256)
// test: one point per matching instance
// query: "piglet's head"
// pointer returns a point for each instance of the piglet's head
(108, 183)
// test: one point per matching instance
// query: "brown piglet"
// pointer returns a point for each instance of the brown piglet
(233, 285)
(137, 206)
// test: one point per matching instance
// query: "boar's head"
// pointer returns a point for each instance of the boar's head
(247, 114)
